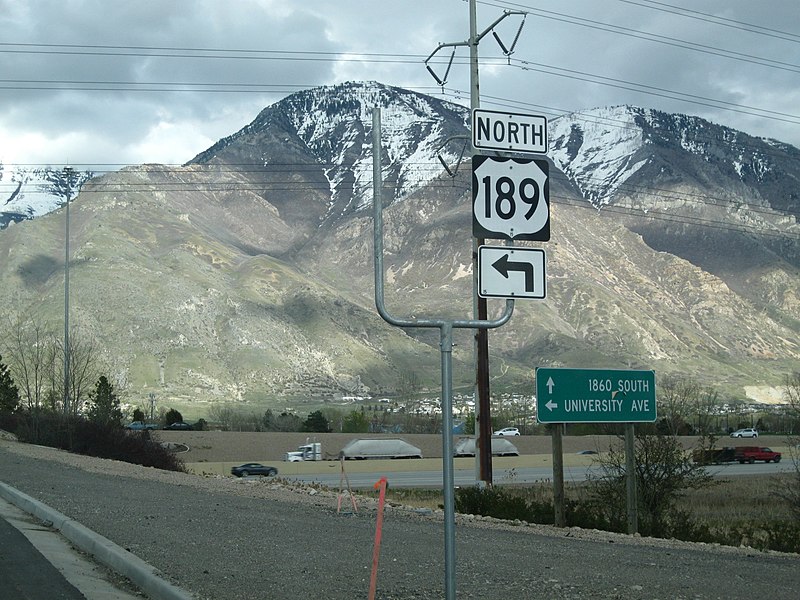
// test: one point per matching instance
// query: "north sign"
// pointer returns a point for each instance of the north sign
(505, 272)
(511, 132)
(595, 396)
(510, 198)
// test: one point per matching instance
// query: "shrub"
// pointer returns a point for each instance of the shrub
(173, 416)
(491, 502)
(78, 435)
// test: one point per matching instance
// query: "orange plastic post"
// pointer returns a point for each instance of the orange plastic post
(373, 581)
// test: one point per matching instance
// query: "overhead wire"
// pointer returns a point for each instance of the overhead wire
(219, 53)
(652, 37)
(716, 19)
(433, 180)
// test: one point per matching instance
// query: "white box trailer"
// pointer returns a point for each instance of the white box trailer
(380, 448)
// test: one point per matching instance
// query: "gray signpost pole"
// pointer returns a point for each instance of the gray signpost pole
(445, 327)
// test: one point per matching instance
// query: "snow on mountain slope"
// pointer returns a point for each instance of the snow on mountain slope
(30, 193)
(598, 150)
(601, 150)
(334, 123)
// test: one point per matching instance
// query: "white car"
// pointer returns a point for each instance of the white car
(743, 433)
(507, 431)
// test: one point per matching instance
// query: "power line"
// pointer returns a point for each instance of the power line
(657, 91)
(717, 20)
(203, 53)
(433, 181)
(522, 64)
(653, 37)
(218, 87)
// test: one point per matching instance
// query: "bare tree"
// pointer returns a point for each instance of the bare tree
(36, 361)
(707, 408)
(84, 367)
(677, 399)
(791, 392)
(788, 488)
(223, 416)
(28, 346)
(408, 386)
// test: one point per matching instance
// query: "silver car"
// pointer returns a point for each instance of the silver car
(507, 431)
(743, 433)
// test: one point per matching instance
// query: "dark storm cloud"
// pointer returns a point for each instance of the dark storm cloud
(136, 110)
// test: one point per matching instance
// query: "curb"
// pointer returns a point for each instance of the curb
(104, 550)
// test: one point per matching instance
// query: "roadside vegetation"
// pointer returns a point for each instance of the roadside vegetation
(91, 423)
(740, 511)
(676, 497)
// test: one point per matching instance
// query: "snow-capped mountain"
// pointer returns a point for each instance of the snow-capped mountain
(330, 127)
(248, 272)
(29, 193)
(606, 152)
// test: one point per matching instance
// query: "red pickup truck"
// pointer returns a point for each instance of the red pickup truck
(751, 454)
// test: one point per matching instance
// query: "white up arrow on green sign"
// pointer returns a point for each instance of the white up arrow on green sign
(595, 396)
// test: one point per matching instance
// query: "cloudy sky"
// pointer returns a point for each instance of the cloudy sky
(105, 83)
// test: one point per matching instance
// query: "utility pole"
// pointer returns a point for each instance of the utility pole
(483, 421)
(68, 194)
(483, 424)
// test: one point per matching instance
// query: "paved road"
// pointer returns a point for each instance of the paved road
(25, 573)
(466, 477)
(225, 546)
(37, 563)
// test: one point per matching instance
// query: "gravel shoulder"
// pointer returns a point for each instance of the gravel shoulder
(219, 537)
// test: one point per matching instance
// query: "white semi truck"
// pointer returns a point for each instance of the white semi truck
(308, 451)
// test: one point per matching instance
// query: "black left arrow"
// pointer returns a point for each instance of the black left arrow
(503, 266)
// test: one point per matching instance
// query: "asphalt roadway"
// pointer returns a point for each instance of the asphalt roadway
(37, 563)
(430, 475)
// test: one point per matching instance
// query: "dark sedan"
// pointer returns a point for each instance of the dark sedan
(253, 469)
(178, 426)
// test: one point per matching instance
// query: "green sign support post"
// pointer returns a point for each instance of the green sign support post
(595, 396)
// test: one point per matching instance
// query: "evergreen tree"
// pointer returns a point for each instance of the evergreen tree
(355, 422)
(316, 423)
(138, 414)
(104, 404)
(173, 416)
(9, 394)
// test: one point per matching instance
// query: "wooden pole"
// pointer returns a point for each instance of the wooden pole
(630, 479)
(558, 476)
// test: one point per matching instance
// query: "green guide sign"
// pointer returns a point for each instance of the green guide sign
(595, 396)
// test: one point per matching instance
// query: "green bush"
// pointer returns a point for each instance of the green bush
(491, 502)
(78, 435)
(526, 504)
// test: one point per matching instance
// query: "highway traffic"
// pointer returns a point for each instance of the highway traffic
(426, 477)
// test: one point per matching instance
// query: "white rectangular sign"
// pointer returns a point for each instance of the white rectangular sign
(511, 272)
(512, 132)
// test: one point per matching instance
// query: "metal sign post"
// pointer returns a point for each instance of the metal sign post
(445, 327)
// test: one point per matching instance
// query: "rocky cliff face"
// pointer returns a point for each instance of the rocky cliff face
(247, 274)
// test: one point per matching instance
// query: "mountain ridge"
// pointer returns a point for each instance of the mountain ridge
(246, 275)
